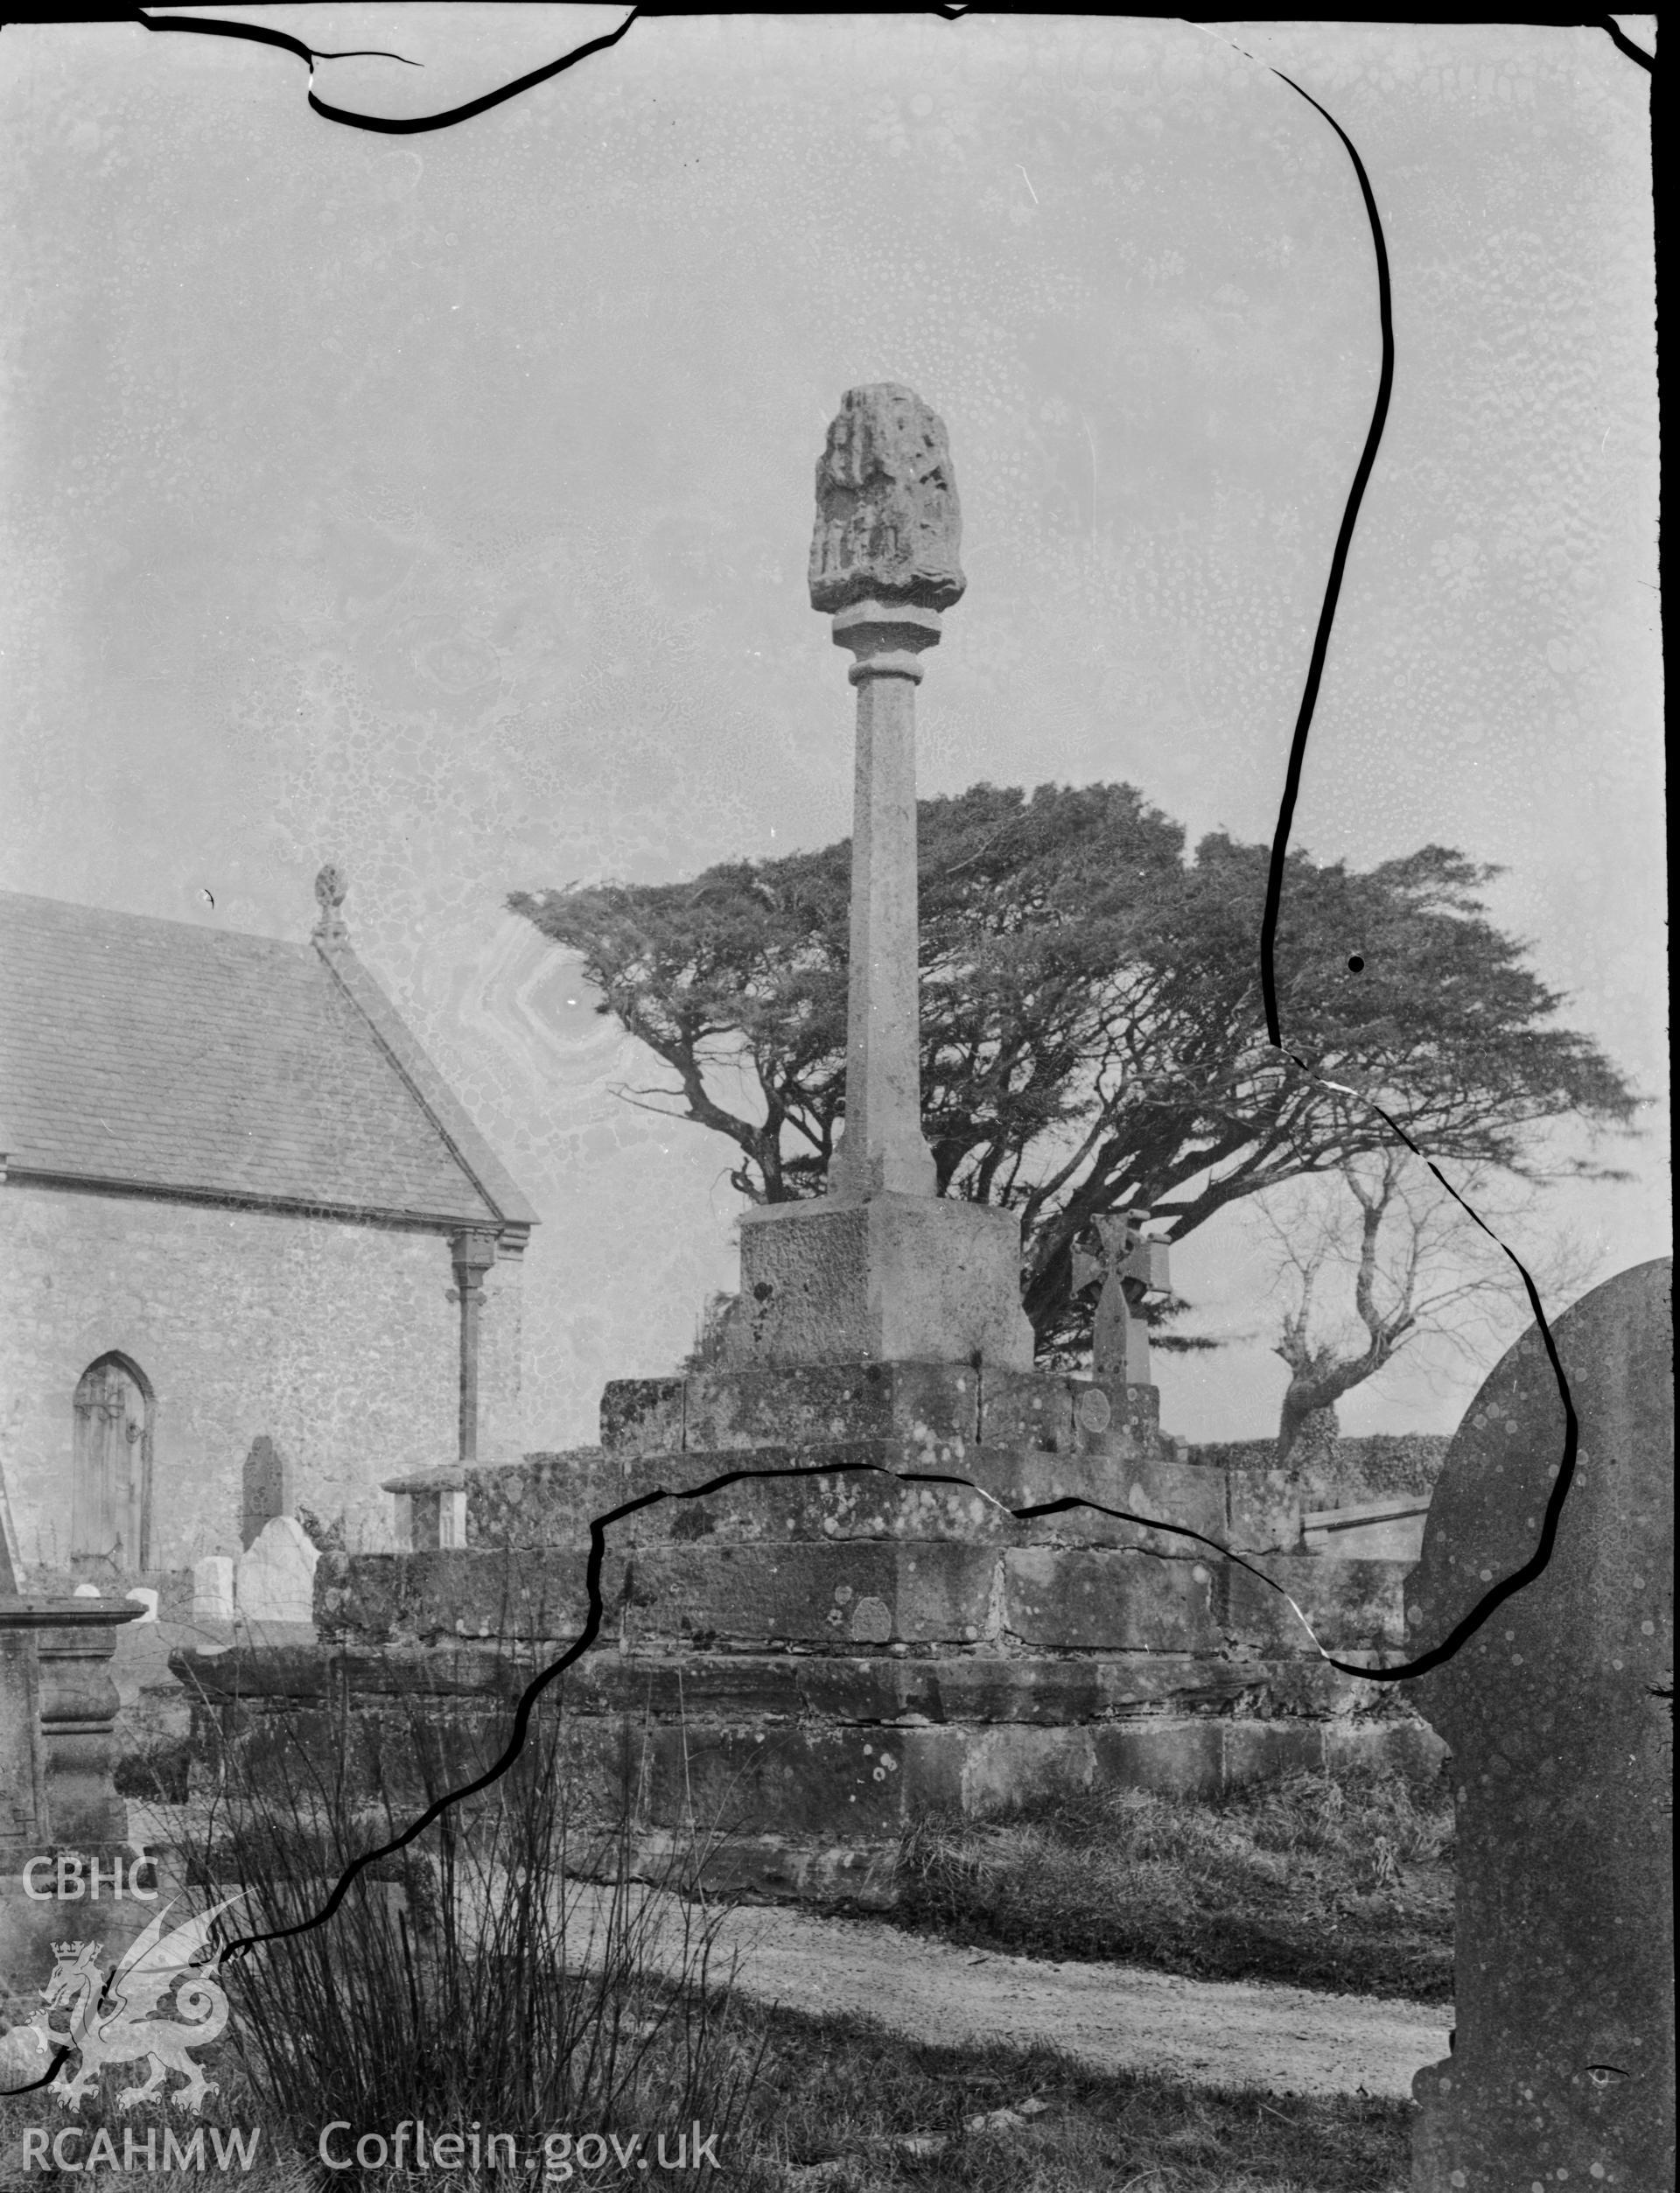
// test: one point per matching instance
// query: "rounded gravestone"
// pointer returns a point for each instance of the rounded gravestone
(1559, 1715)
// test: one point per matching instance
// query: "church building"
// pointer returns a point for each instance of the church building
(242, 1214)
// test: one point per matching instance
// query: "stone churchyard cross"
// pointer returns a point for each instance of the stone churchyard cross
(882, 1268)
(1129, 1267)
(883, 560)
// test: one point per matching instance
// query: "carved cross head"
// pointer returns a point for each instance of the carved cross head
(1139, 1265)
(888, 524)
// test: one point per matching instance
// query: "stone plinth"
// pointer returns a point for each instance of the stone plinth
(897, 1278)
(1559, 1715)
(78, 1710)
(719, 1410)
(57, 1717)
(22, 1762)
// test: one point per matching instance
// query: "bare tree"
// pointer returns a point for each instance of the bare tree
(1419, 1268)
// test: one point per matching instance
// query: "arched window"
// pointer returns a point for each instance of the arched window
(110, 1485)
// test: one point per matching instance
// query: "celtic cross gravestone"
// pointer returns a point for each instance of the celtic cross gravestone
(1129, 1267)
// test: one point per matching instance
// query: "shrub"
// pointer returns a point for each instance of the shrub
(505, 1968)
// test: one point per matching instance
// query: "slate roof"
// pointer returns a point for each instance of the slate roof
(156, 1056)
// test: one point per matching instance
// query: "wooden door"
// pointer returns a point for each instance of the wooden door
(108, 1482)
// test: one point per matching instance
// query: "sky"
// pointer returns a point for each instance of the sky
(438, 505)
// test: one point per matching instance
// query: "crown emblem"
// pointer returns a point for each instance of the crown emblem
(113, 2018)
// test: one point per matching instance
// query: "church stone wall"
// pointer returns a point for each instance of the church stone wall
(340, 1342)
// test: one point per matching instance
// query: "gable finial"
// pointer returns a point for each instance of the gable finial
(331, 885)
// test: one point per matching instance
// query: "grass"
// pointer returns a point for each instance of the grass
(476, 1980)
(473, 1981)
(842, 2107)
(845, 2095)
(838, 2106)
(1340, 1883)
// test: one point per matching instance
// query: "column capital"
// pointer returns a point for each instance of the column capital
(886, 637)
(472, 1251)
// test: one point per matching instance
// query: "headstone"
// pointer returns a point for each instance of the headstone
(87, 1591)
(268, 1488)
(275, 1580)
(148, 1599)
(212, 1588)
(1559, 1714)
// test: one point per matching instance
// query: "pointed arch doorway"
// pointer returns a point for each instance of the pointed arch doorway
(110, 1485)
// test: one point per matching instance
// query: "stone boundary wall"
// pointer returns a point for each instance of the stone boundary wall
(1362, 1467)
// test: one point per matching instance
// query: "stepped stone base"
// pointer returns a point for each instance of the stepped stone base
(732, 1594)
(792, 1667)
(799, 1773)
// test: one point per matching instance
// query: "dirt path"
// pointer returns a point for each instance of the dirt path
(1114, 2017)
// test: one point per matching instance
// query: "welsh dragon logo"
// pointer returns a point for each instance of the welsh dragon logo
(112, 2021)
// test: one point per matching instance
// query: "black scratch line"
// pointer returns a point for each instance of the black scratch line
(1333, 583)
(1350, 514)
(1499, 1593)
(383, 125)
(1618, 38)
(205, 27)
(209, 27)
(1607, 24)
(1496, 1594)
(47, 2076)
